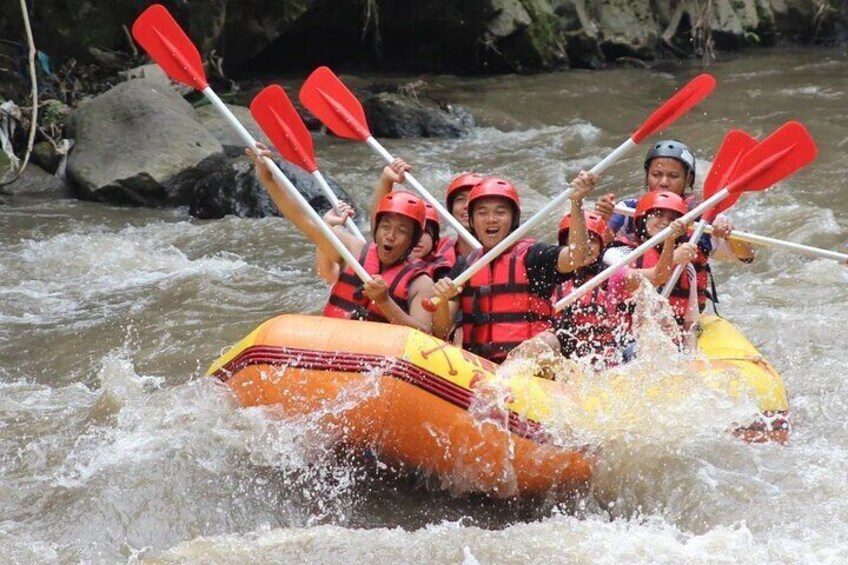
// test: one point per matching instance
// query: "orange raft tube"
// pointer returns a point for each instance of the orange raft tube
(414, 403)
(421, 403)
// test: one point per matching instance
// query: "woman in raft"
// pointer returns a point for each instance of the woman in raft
(398, 285)
(508, 301)
(670, 166)
(598, 324)
(654, 212)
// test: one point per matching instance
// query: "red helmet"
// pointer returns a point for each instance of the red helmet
(663, 200)
(405, 204)
(463, 181)
(494, 186)
(594, 223)
(432, 221)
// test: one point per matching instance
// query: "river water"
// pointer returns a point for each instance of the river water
(115, 448)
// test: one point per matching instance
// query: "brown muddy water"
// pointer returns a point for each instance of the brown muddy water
(115, 448)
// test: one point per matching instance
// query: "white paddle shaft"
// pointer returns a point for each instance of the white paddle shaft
(425, 194)
(281, 178)
(334, 202)
(664, 234)
(737, 235)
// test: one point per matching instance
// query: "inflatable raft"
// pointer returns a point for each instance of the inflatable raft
(420, 403)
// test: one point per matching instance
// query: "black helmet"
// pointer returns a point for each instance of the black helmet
(672, 149)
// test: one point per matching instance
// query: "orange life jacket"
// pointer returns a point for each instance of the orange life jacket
(498, 309)
(347, 299)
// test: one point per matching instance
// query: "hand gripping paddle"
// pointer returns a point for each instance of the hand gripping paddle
(687, 97)
(166, 42)
(778, 156)
(277, 117)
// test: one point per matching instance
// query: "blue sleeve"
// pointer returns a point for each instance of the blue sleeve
(618, 220)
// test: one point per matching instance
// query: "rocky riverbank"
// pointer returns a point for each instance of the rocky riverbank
(114, 130)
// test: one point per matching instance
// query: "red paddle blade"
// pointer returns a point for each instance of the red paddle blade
(164, 40)
(696, 90)
(789, 148)
(329, 99)
(736, 143)
(275, 114)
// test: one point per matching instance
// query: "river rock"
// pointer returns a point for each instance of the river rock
(219, 127)
(37, 181)
(140, 143)
(46, 156)
(472, 36)
(396, 116)
(582, 34)
(794, 19)
(236, 191)
(629, 27)
(522, 35)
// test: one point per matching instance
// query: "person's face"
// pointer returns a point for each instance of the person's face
(424, 246)
(668, 174)
(658, 220)
(492, 220)
(459, 208)
(393, 237)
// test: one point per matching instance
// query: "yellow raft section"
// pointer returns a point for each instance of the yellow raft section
(725, 346)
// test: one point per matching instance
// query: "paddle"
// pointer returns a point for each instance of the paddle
(163, 38)
(691, 94)
(764, 241)
(275, 114)
(782, 153)
(727, 159)
(326, 96)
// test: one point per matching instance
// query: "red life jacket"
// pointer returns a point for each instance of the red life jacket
(498, 309)
(441, 259)
(679, 298)
(597, 323)
(347, 300)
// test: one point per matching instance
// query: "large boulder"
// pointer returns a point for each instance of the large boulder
(796, 19)
(629, 27)
(396, 116)
(236, 191)
(581, 32)
(522, 36)
(140, 143)
(219, 127)
(471, 36)
(35, 181)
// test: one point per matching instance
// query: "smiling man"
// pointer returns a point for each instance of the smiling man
(508, 301)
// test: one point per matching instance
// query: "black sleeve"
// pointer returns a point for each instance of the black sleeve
(457, 269)
(542, 271)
